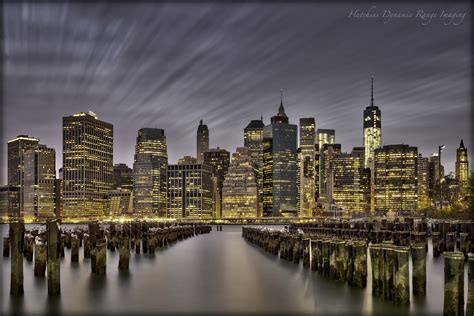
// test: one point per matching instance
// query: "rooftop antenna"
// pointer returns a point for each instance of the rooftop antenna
(372, 91)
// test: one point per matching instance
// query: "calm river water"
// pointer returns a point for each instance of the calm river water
(213, 273)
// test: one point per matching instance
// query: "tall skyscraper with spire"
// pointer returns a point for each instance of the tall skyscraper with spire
(202, 144)
(306, 166)
(280, 166)
(372, 128)
(462, 164)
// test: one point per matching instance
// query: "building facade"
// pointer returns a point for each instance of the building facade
(202, 141)
(39, 182)
(326, 176)
(150, 169)
(306, 161)
(240, 191)
(372, 136)
(280, 166)
(190, 191)
(423, 178)
(16, 148)
(219, 160)
(119, 203)
(9, 202)
(87, 164)
(253, 140)
(396, 184)
(462, 165)
(123, 177)
(351, 189)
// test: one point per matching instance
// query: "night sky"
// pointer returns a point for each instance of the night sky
(168, 65)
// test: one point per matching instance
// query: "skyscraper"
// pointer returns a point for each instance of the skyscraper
(219, 160)
(326, 176)
(324, 136)
(190, 190)
(462, 165)
(280, 166)
(253, 139)
(39, 182)
(307, 166)
(350, 187)
(240, 192)
(150, 170)
(87, 164)
(423, 178)
(372, 128)
(16, 149)
(202, 141)
(123, 177)
(396, 185)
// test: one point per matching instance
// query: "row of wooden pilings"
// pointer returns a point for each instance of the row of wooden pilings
(344, 259)
(48, 246)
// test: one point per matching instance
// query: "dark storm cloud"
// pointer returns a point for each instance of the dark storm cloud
(168, 65)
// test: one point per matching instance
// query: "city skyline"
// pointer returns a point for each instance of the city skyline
(422, 86)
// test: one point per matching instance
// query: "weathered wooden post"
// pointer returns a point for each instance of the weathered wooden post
(124, 253)
(94, 235)
(314, 262)
(470, 288)
(350, 255)
(340, 256)
(29, 245)
(40, 257)
(418, 254)
(450, 241)
(401, 275)
(359, 250)
(306, 252)
(325, 254)
(388, 271)
(87, 246)
(17, 235)
(464, 244)
(332, 259)
(101, 257)
(453, 283)
(74, 248)
(376, 261)
(435, 240)
(6, 246)
(54, 257)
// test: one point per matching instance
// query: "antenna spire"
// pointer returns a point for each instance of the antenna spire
(281, 96)
(372, 91)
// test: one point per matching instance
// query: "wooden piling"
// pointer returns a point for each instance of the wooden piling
(54, 257)
(418, 254)
(40, 258)
(453, 283)
(16, 233)
(6, 246)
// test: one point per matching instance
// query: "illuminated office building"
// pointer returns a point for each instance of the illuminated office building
(280, 166)
(396, 184)
(87, 164)
(187, 160)
(462, 165)
(219, 160)
(39, 182)
(123, 177)
(150, 170)
(16, 148)
(119, 202)
(306, 201)
(240, 192)
(372, 128)
(9, 202)
(434, 174)
(190, 191)
(350, 181)
(253, 139)
(325, 136)
(326, 185)
(423, 182)
(202, 142)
